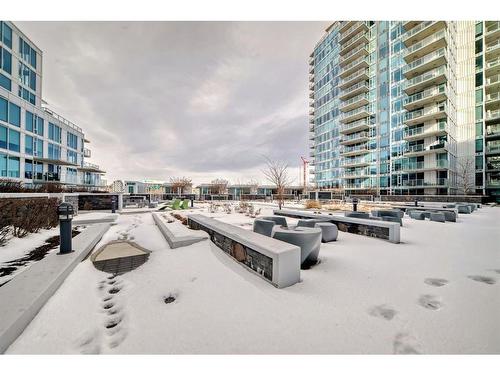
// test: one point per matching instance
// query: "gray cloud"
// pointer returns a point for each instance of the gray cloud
(201, 99)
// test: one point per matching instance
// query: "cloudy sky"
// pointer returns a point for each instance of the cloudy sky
(197, 99)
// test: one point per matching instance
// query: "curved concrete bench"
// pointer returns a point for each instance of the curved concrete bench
(263, 226)
(463, 209)
(450, 216)
(329, 231)
(437, 216)
(356, 214)
(308, 239)
(392, 219)
(427, 214)
(309, 223)
(395, 213)
(279, 220)
(417, 215)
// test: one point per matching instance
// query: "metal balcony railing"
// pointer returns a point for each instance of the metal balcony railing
(425, 42)
(424, 94)
(492, 115)
(426, 76)
(425, 59)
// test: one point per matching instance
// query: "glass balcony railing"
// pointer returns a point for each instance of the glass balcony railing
(353, 76)
(354, 136)
(349, 149)
(353, 63)
(354, 112)
(493, 130)
(352, 88)
(493, 97)
(362, 172)
(353, 40)
(492, 63)
(359, 123)
(493, 27)
(425, 59)
(354, 161)
(349, 54)
(353, 100)
(425, 77)
(424, 94)
(425, 42)
(493, 79)
(492, 115)
(423, 182)
(493, 147)
(493, 46)
(409, 116)
(418, 28)
(352, 28)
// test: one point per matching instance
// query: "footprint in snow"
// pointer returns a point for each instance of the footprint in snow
(483, 279)
(430, 302)
(404, 343)
(436, 282)
(383, 311)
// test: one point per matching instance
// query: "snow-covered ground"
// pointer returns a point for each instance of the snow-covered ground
(437, 292)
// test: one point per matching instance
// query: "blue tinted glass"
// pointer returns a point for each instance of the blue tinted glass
(3, 109)
(29, 121)
(5, 82)
(3, 137)
(14, 114)
(28, 144)
(13, 167)
(14, 140)
(6, 61)
(7, 35)
(3, 165)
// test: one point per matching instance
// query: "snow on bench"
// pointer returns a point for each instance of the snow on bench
(276, 261)
(176, 234)
(365, 227)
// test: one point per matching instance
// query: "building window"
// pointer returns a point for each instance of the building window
(14, 140)
(13, 167)
(479, 96)
(38, 151)
(3, 165)
(479, 29)
(14, 114)
(28, 169)
(72, 157)
(54, 133)
(27, 76)
(479, 162)
(5, 82)
(5, 60)
(4, 105)
(27, 53)
(479, 129)
(6, 32)
(39, 126)
(479, 112)
(479, 145)
(479, 46)
(3, 137)
(54, 152)
(28, 144)
(28, 121)
(479, 79)
(72, 141)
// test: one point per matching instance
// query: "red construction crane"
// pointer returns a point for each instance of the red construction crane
(305, 164)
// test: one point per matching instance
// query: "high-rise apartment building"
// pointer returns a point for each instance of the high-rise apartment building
(36, 145)
(394, 106)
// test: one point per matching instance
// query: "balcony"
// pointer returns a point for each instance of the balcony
(428, 62)
(354, 102)
(422, 31)
(419, 99)
(422, 166)
(493, 100)
(311, 94)
(354, 162)
(431, 78)
(359, 39)
(87, 153)
(493, 82)
(312, 153)
(311, 69)
(354, 90)
(425, 131)
(426, 46)
(422, 115)
(354, 126)
(353, 30)
(492, 65)
(360, 186)
(311, 111)
(492, 31)
(356, 173)
(355, 114)
(89, 167)
(353, 138)
(359, 63)
(354, 150)
(493, 115)
(346, 25)
(425, 183)
(311, 127)
(493, 50)
(492, 131)
(353, 54)
(420, 149)
(360, 75)
(408, 25)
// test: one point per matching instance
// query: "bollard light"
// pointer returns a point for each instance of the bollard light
(113, 204)
(354, 204)
(65, 212)
(416, 202)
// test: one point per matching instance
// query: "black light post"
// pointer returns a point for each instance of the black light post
(65, 212)
(354, 204)
(113, 204)
(416, 202)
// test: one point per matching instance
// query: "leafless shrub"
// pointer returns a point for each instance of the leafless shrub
(180, 185)
(312, 204)
(219, 186)
(276, 172)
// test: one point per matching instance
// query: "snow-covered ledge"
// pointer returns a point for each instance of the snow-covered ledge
(27, 293)
(275, 261)
(365, 227)
(176, 234)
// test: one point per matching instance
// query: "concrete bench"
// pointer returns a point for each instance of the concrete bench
(450, 216)
(264, 227)
(437, 216)
(275, 261)
(463, 209)
(417, 215)
(360, 215)
(365, 227)
(176, 234)
(279, 220)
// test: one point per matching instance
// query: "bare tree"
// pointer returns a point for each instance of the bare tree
(219, 186)
(180, 184)
(276, 172)
(465, 174)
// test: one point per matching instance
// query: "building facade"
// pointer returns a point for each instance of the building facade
(390, 105)
(37, 146)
